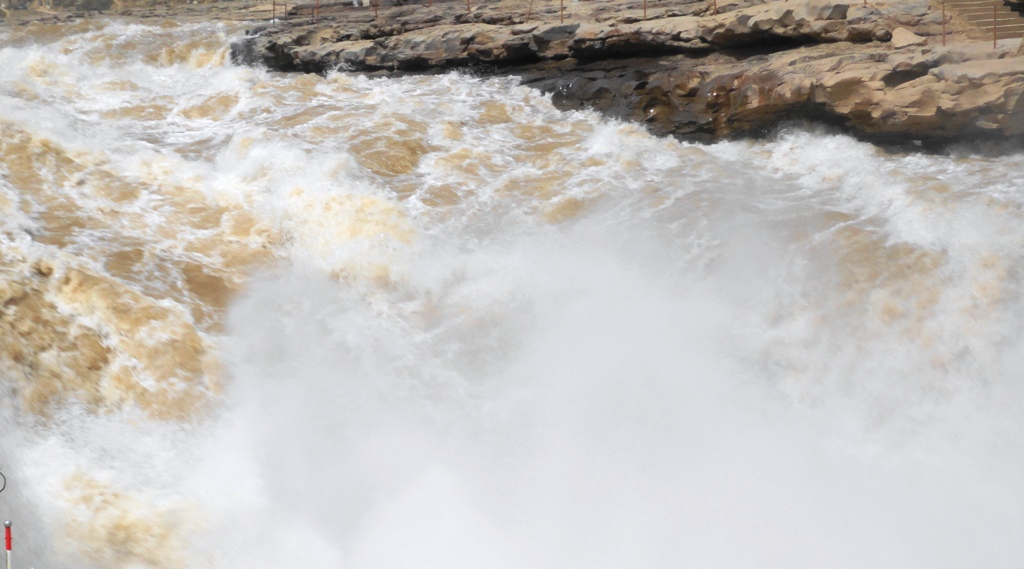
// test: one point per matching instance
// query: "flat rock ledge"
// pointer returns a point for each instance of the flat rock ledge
(692, 73)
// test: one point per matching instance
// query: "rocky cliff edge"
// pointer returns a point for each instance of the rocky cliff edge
(694, 71)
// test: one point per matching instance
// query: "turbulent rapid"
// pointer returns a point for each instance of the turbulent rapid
(261, 320)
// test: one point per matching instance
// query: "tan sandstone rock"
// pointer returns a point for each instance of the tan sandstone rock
(902, 37)
(867, 67)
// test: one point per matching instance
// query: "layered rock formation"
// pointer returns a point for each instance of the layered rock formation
(879, 70)
(921, 93)
(417, 38)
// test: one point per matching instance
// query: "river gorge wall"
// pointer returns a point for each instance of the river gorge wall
(879, 70)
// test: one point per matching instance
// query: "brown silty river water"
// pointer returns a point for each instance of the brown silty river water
(260, 320)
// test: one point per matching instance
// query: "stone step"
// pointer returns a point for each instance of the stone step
(988, 14)
(984, 15)
(998, 15)
(987, 10)
(1008, 27)
(982, 18)
(978, 6)
(982, 8)
(988, 22)
(1002, 30)
(1000, 33)
(1004, 35)
(989, 3)
(999, 8)
(989, 18)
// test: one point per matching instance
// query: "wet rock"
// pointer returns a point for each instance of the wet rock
(919, 93)
(697, 74)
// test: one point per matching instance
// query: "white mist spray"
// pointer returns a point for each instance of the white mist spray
(591, 414)
(489, 334)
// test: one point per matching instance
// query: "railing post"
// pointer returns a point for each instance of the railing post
(273, 11)
(561, 12)
(995, 25)
(645, 9)
(943, 22)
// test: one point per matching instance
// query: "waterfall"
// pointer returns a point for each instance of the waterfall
(251, 319)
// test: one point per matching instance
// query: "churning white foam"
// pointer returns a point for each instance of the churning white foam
(497, 335)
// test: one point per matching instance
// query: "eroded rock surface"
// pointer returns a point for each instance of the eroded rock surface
(880, 70)
(924, 93)
(417, 40)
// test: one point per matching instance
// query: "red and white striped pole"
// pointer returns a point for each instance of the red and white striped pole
(7, 538)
